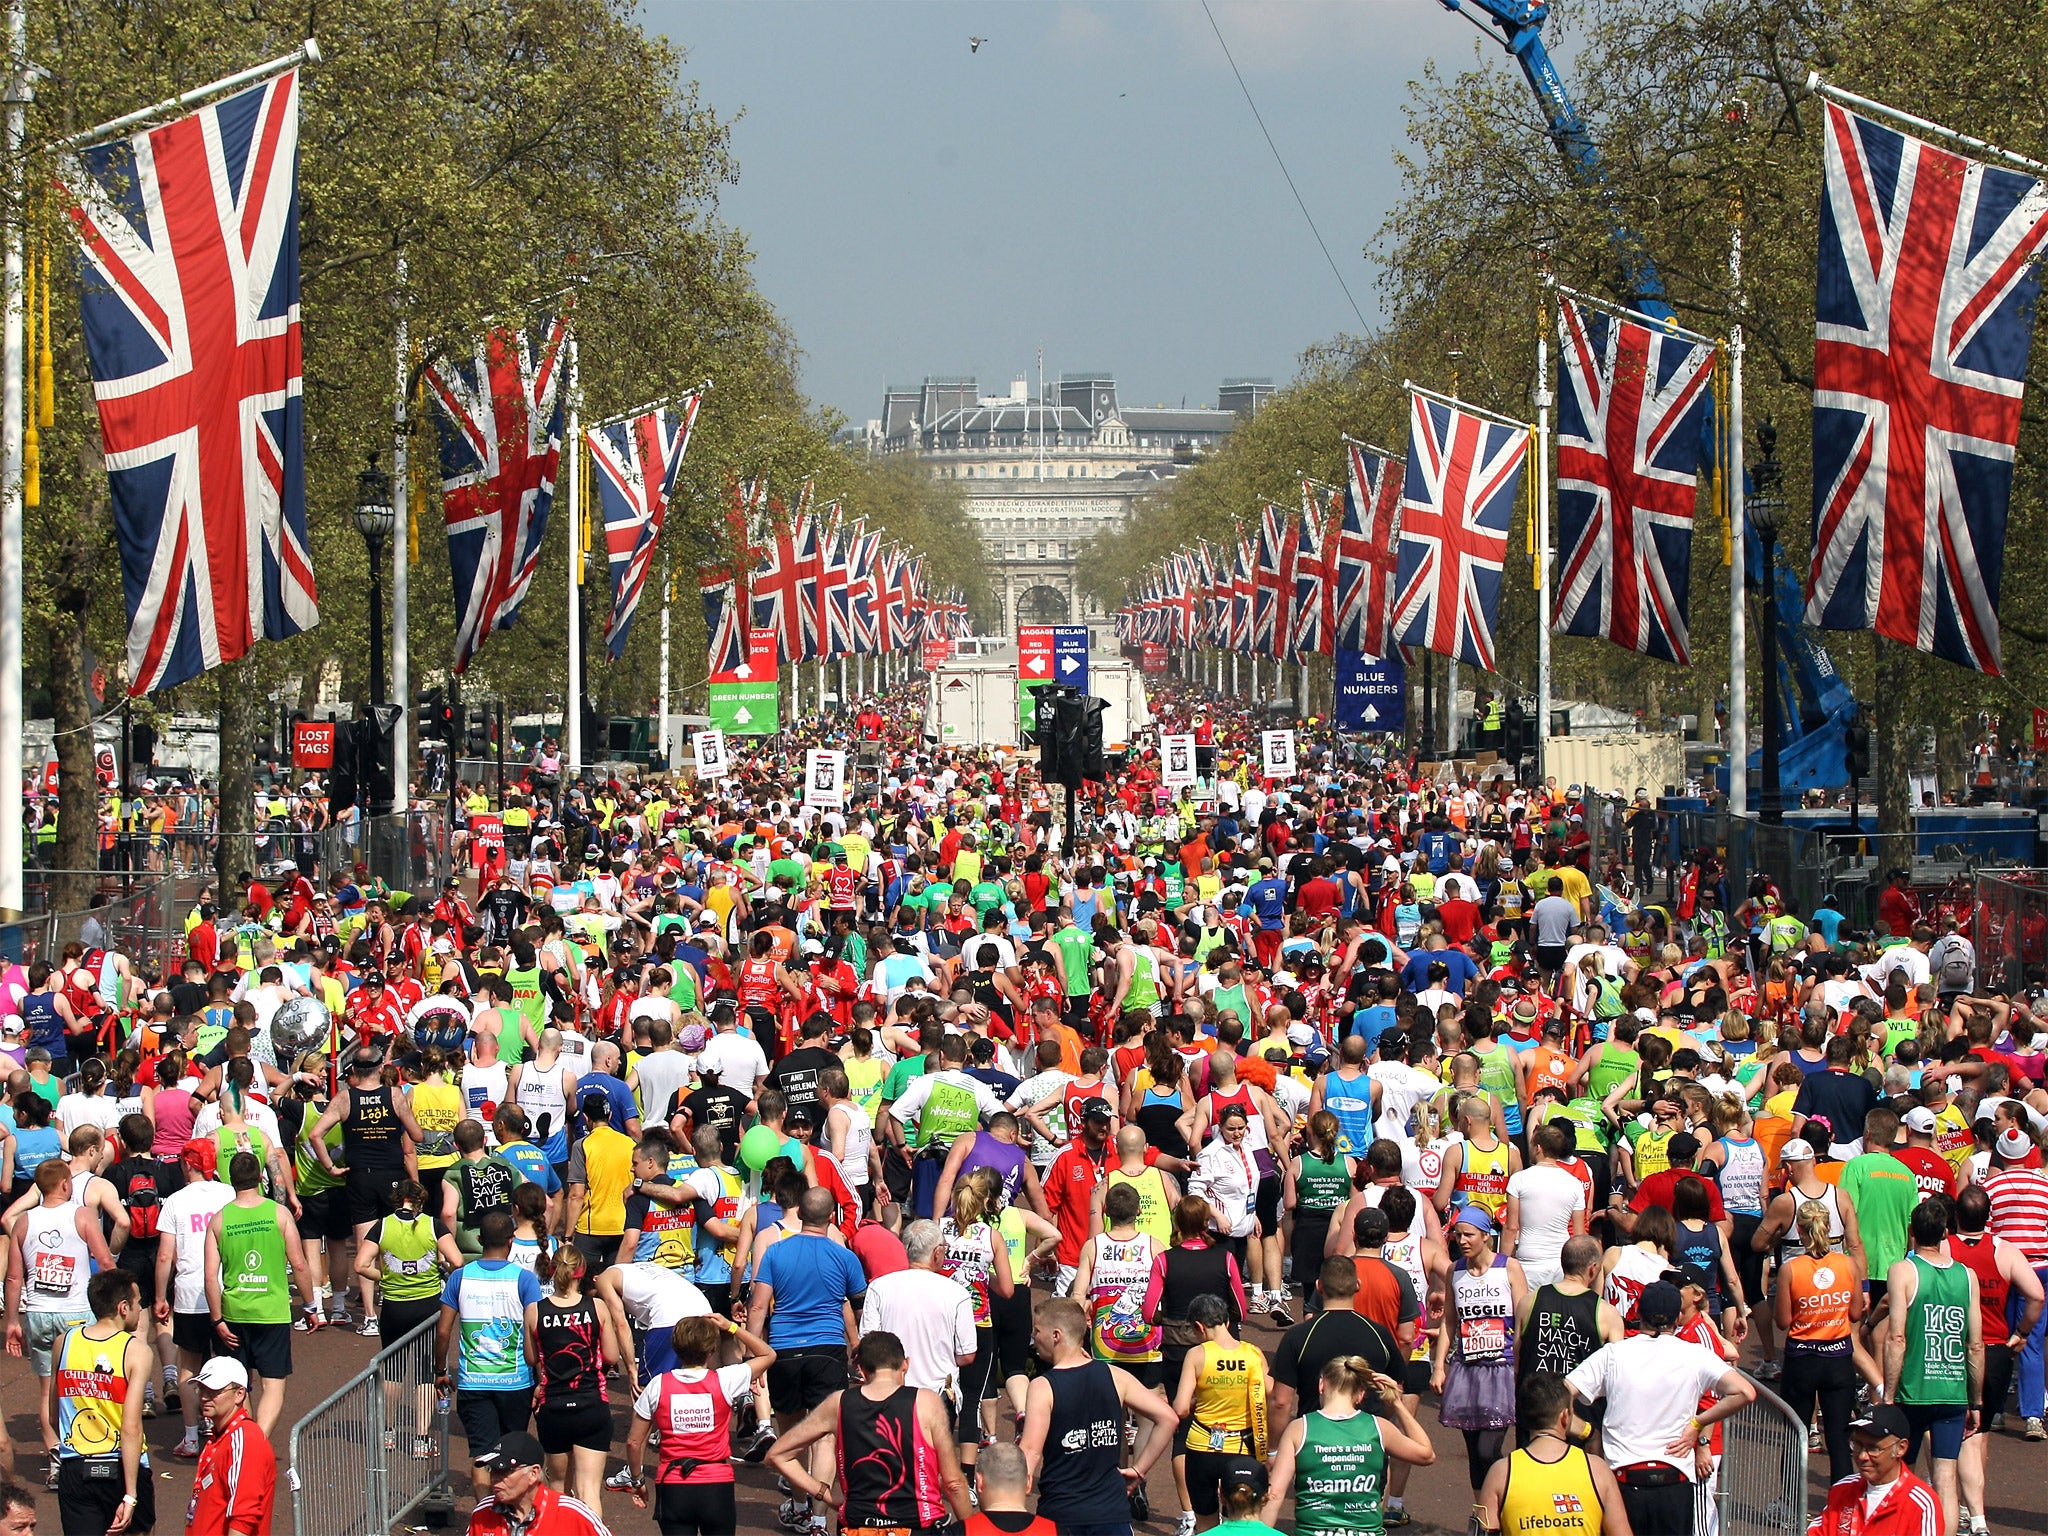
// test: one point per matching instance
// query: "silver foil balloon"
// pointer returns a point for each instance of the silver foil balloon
(299, 1025)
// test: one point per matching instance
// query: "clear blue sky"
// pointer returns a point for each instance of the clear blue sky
(1091, 181)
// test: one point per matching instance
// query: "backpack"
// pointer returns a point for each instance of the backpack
(139, 1195)
(1955, 968)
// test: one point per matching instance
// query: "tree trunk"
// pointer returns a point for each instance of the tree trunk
(1893, 738)
(72, 581)
(234, 850)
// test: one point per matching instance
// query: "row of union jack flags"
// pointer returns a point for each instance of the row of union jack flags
(826, 586)
(189, 252)
(1928, 270)
(1407, 552)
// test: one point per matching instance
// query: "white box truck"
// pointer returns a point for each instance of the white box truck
(972, 701)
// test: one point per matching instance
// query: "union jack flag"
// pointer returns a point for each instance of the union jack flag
(635, 463)
(1273, 585)
(891, 617)
(1923, 321)
(189, 246)
(1241, 595)
(777, 592)
(1631, 400)
(501, 440)
(726, 601)
(866, 601)
(808, 539)
(1368, 542)
(835, 586)
(1457, 500)
(1315, 586)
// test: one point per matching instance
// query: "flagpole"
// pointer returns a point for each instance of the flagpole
(307, 52)
(1738, 560)
(18, 92)
(575, 522)
(401, 665)
(1543, 402)
(665, 758)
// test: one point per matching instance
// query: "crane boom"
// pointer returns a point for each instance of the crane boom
(1815, 704)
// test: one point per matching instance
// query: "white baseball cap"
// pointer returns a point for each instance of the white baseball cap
(1920, 1120)
(221, 1371)
(1797, 1150)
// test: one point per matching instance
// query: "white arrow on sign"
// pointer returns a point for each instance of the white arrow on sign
(742, 670)
(742, 715)
(1371, 713)
(1070, 664)
(1034, 664)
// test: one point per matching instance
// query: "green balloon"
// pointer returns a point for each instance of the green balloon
(759, 1147)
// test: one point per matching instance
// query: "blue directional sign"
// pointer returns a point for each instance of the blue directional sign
(1070, 655)
(1372, 692)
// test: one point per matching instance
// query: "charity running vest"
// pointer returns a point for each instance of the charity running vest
(1339, 1475)
(254, 1277)
(1937, 1335)
(405, 1250)
(1155, 1219)
(949, 1112)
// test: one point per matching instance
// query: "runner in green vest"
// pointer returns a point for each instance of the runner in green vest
(407, 1254)
(524, 980)
(324, 1202)
(249, 1244)
(1934, 1355)
(1077, 958)
(1335, 1459)
(1614, 1060)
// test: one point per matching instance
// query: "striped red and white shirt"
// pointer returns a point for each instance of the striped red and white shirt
(2019, 1210)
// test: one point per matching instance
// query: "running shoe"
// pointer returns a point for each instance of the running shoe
(794, 1515)
(186, 1449)
(757, 1448)
(422, 1448)
(148, 1405)
(50, 1477)
(1141, 1505)
(309, 1322)
(1769, 1370)
(1278, 1314)
(1395, 1515)
(367, 1328)
(2036, 1430)
(620, 1480)
(782, 1486)
(1187, 1524)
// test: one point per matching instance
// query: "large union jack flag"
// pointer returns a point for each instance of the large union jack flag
(635, 463)
(1923, 315)
(501, 442)
(1368, 541)
(1315, 580)
(189, 297)
(777, 591)
(1631, 400)
(1273, 585)
(1457, 500)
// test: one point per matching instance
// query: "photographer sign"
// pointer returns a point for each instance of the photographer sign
(1278, 747)
(825, 779)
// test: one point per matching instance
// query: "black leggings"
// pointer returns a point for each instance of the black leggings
(1829, 1380)
(1310, 1229)
(1749, 1264)
(1483, 1448)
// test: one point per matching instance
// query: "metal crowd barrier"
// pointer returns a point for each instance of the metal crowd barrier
(1759, 1487)
(353, 1467)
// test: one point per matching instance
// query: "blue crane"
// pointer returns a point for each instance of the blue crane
(1815, 704)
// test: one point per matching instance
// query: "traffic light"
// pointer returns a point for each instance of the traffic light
(1093, 767)
(476, 732)
(1856, 747)
(1070, 737)
(437, 717)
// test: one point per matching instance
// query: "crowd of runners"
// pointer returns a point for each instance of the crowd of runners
(948, 1167)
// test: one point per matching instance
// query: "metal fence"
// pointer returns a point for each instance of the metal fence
(1759, 1487)
(357, 1467)
(407, 852)
(2008, 924)
(137, 914)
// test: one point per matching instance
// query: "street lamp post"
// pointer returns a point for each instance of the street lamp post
(375, 518)
(1766, 512)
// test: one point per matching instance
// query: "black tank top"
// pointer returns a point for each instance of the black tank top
(1161, 1125)
(571, 1354)
(1081, 1482)
(1563, 1332)
(481, 1187)
(371, 1137)
(1192, 1272)
(982, 984)
(889, 1471)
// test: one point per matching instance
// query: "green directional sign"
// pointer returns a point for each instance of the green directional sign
(1027, 702)
(746, 709)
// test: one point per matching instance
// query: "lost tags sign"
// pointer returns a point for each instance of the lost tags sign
(824, 779)
(1177, 761)
(709, 749)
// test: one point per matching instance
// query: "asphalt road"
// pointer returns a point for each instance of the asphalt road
(1438, 1496)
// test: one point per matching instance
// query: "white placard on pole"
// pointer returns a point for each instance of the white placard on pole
(1177, 761)
(1278, 749)
(708, 747)
(824, 779)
